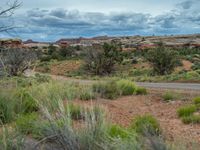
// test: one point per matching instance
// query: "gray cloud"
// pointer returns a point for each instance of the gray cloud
(63, 19)
(186, 4)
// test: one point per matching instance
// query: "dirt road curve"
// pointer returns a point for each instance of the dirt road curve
(183, 86)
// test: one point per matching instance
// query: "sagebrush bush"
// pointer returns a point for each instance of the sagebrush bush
(126, 87)
(141, 91)
(191, 119)
(186, 110)
(146, 124)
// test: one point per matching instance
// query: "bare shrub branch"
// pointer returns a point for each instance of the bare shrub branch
(17, 60)
(7, 13)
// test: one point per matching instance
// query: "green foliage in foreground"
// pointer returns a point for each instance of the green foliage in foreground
(126, 87)
(186, 110)
(169, 96)
(191, 119)
(57, 121)
(187, 113)
(7, 112)
(117, 131)
(141, 91)
(87, 94)
(196, 100)
(10, 140)
(26, 123)
(107, 90)
(113, 89)
(74, 111)
(146, 124)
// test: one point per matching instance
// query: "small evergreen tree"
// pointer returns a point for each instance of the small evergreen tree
(163, 60)
(102, 59)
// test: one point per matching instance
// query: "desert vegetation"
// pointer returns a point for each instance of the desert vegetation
(41, 111)
(189, 113)
(16, 60)
(85, 96)
(108, 60)
(44, 110)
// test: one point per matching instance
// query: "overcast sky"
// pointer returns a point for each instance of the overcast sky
(50, 20)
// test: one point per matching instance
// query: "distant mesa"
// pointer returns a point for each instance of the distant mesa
(29, 41)
(127, 42)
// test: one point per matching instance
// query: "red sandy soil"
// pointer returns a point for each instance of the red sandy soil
(64, 67)
(122, 110)
(187, 65)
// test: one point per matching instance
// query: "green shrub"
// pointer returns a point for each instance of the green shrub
(107, 90)
(186, 110)
(110, 91)
(10, 139)
(74, 111)
(23, 82)
(7, 105)
(116, 131)
(26, 123)
(42, 78)
(126, 87)
(167, 96)
(196, 66)
(141, 91)
(55, 90)
(101, 60)
(87, 95)
(163, 59)
(196, 100)
(191, 119)
(146, 124)
(192, 75)
(26, 103)
(98, 87)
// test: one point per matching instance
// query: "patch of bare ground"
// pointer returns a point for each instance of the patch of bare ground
(187, 64)
(123, 110)
(65, 66)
